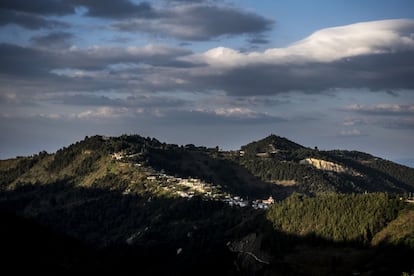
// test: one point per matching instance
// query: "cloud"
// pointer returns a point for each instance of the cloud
(33, 14)
(20, 61)
(29, 21)
(385, 61)
(238, 112)
(326, 46)
(120, 9)
(377, 55)
(194, 22)
(350, 132)
(103, 113)
(219, 116)
(383, 109)
(140, 101)
(352, 121)
(54, 39)
(41, 7)
(390, 116)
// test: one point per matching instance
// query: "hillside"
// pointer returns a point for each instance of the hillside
(130, 201)
(313, 171)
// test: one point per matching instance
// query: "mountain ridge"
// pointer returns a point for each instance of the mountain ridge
(138, 203)
(258, 164)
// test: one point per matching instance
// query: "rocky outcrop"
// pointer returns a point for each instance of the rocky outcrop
(323, 165)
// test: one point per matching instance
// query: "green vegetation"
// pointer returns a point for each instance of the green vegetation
(339, 218)
(126, 211)
(398, 232)
(271, 143)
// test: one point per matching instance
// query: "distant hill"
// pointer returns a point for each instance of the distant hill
(273, 165)
(280, 161)
(271, 144)
(134, 201)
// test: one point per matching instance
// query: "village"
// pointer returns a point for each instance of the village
(190, 187)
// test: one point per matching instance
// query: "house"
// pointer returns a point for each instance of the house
(270, 200)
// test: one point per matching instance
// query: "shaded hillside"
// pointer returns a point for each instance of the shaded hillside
(129, 203)
(29, 247)
(120, 233)
(208, 166)
(313, 171)
(398, 232)
(103, 230)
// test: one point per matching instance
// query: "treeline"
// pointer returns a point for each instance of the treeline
(383, 174)
(95, 147)
(399, 172)
(66, 156)
(335, 217)
(269, 144)
(8, 175)
(272, 170)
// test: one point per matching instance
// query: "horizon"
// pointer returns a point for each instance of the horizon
(408, 163)
(331, 74)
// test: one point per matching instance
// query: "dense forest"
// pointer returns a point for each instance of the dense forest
(339, 218)
(116, 203)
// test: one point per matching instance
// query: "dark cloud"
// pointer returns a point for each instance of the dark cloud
(131, 101)
(21, 61)
(55, 39)
(375, 72)
(117, 10)
(41, 70)
(187, 1)
(194, 22)
(40, 7)
(185, 20)
(160, 68)
(100, 57)
(32, 14)
(28, 20)
(258, 40)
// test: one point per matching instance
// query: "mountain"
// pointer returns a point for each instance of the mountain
(130, 203)
(271, 144)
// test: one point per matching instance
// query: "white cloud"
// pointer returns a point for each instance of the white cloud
(103, 112)
(326, 45)
(351, 132)
(238, 112)
(382, 109)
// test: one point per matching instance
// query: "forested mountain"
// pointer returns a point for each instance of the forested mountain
(130, 203)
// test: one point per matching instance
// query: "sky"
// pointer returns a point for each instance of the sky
(336, 74)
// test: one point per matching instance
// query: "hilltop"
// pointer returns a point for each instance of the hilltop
(272, 166)
(261, 209)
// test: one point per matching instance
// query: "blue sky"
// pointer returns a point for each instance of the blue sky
(332, 74)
